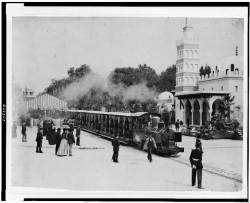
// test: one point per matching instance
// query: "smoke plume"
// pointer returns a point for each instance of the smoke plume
(91, 81)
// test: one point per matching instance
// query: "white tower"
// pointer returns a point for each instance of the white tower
(187, 63)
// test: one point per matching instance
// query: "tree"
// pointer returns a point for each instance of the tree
(127, 76)
(57, 85)
(71, 72)
(167, 79)
(148, 74)
(82, 71)
(225, 107)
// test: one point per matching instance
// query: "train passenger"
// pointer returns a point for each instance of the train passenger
(115, 144)
(23, 131)
(58, 139)
(149, 145)
(71, 141)
(63, 148)
(39, 140)
(196, 163)
(78, 132)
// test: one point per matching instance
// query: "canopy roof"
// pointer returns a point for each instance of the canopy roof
(46, 101)
(199, 94)
(137, 114)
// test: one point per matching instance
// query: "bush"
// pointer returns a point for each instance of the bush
(219, 125)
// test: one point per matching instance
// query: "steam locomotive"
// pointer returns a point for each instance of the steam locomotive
(129, 127)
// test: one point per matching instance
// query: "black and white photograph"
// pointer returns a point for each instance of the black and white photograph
(126, 102)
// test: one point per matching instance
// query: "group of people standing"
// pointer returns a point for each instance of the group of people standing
(64, 141)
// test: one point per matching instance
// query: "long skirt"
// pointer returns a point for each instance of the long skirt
(63, 148)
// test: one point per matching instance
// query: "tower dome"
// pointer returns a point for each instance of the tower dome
(165, 96)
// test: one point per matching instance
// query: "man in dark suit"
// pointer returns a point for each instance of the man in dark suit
(71, 141)
(39, 140)
(58, 138)
(115, 144)
(196, 163)
(23, 131)
(78, 132)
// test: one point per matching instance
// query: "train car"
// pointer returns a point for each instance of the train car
(129, 127)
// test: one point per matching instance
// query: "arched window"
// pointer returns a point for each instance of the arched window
(232, 67)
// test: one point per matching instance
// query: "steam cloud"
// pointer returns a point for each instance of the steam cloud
(83, 86)
(19, 108)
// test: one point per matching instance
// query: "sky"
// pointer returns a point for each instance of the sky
(44, 48)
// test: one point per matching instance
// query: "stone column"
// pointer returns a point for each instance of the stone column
(192, 111)
(192, 116)
(201, 109)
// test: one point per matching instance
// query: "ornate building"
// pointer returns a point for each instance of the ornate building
(197, 97)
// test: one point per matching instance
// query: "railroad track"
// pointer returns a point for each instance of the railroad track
(210, 169)
(213, 170)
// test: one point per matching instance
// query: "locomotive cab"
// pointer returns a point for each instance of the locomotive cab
(165, 138)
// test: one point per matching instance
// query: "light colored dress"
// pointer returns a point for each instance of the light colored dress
(63, 148)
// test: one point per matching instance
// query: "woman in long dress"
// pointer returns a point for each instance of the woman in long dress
(63, 148)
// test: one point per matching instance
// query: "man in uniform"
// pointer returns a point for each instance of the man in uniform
(23, 131)
(115, 144)
(78, 132)
(196, 163)
(39, 140)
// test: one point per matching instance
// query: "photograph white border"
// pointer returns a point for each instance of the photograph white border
(15, 10)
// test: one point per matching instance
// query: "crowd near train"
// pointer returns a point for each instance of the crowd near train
(131, 128)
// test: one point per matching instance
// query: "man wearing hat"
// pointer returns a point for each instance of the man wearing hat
(71, 141)
(78, 132)
(196, 163)
(23, 131)
(115, 144)
(58, 139)
(39, 140)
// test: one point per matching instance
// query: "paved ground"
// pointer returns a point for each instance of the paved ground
(90, 168)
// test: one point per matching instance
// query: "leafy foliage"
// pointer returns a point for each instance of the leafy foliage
(96, 98)
(167, 79)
